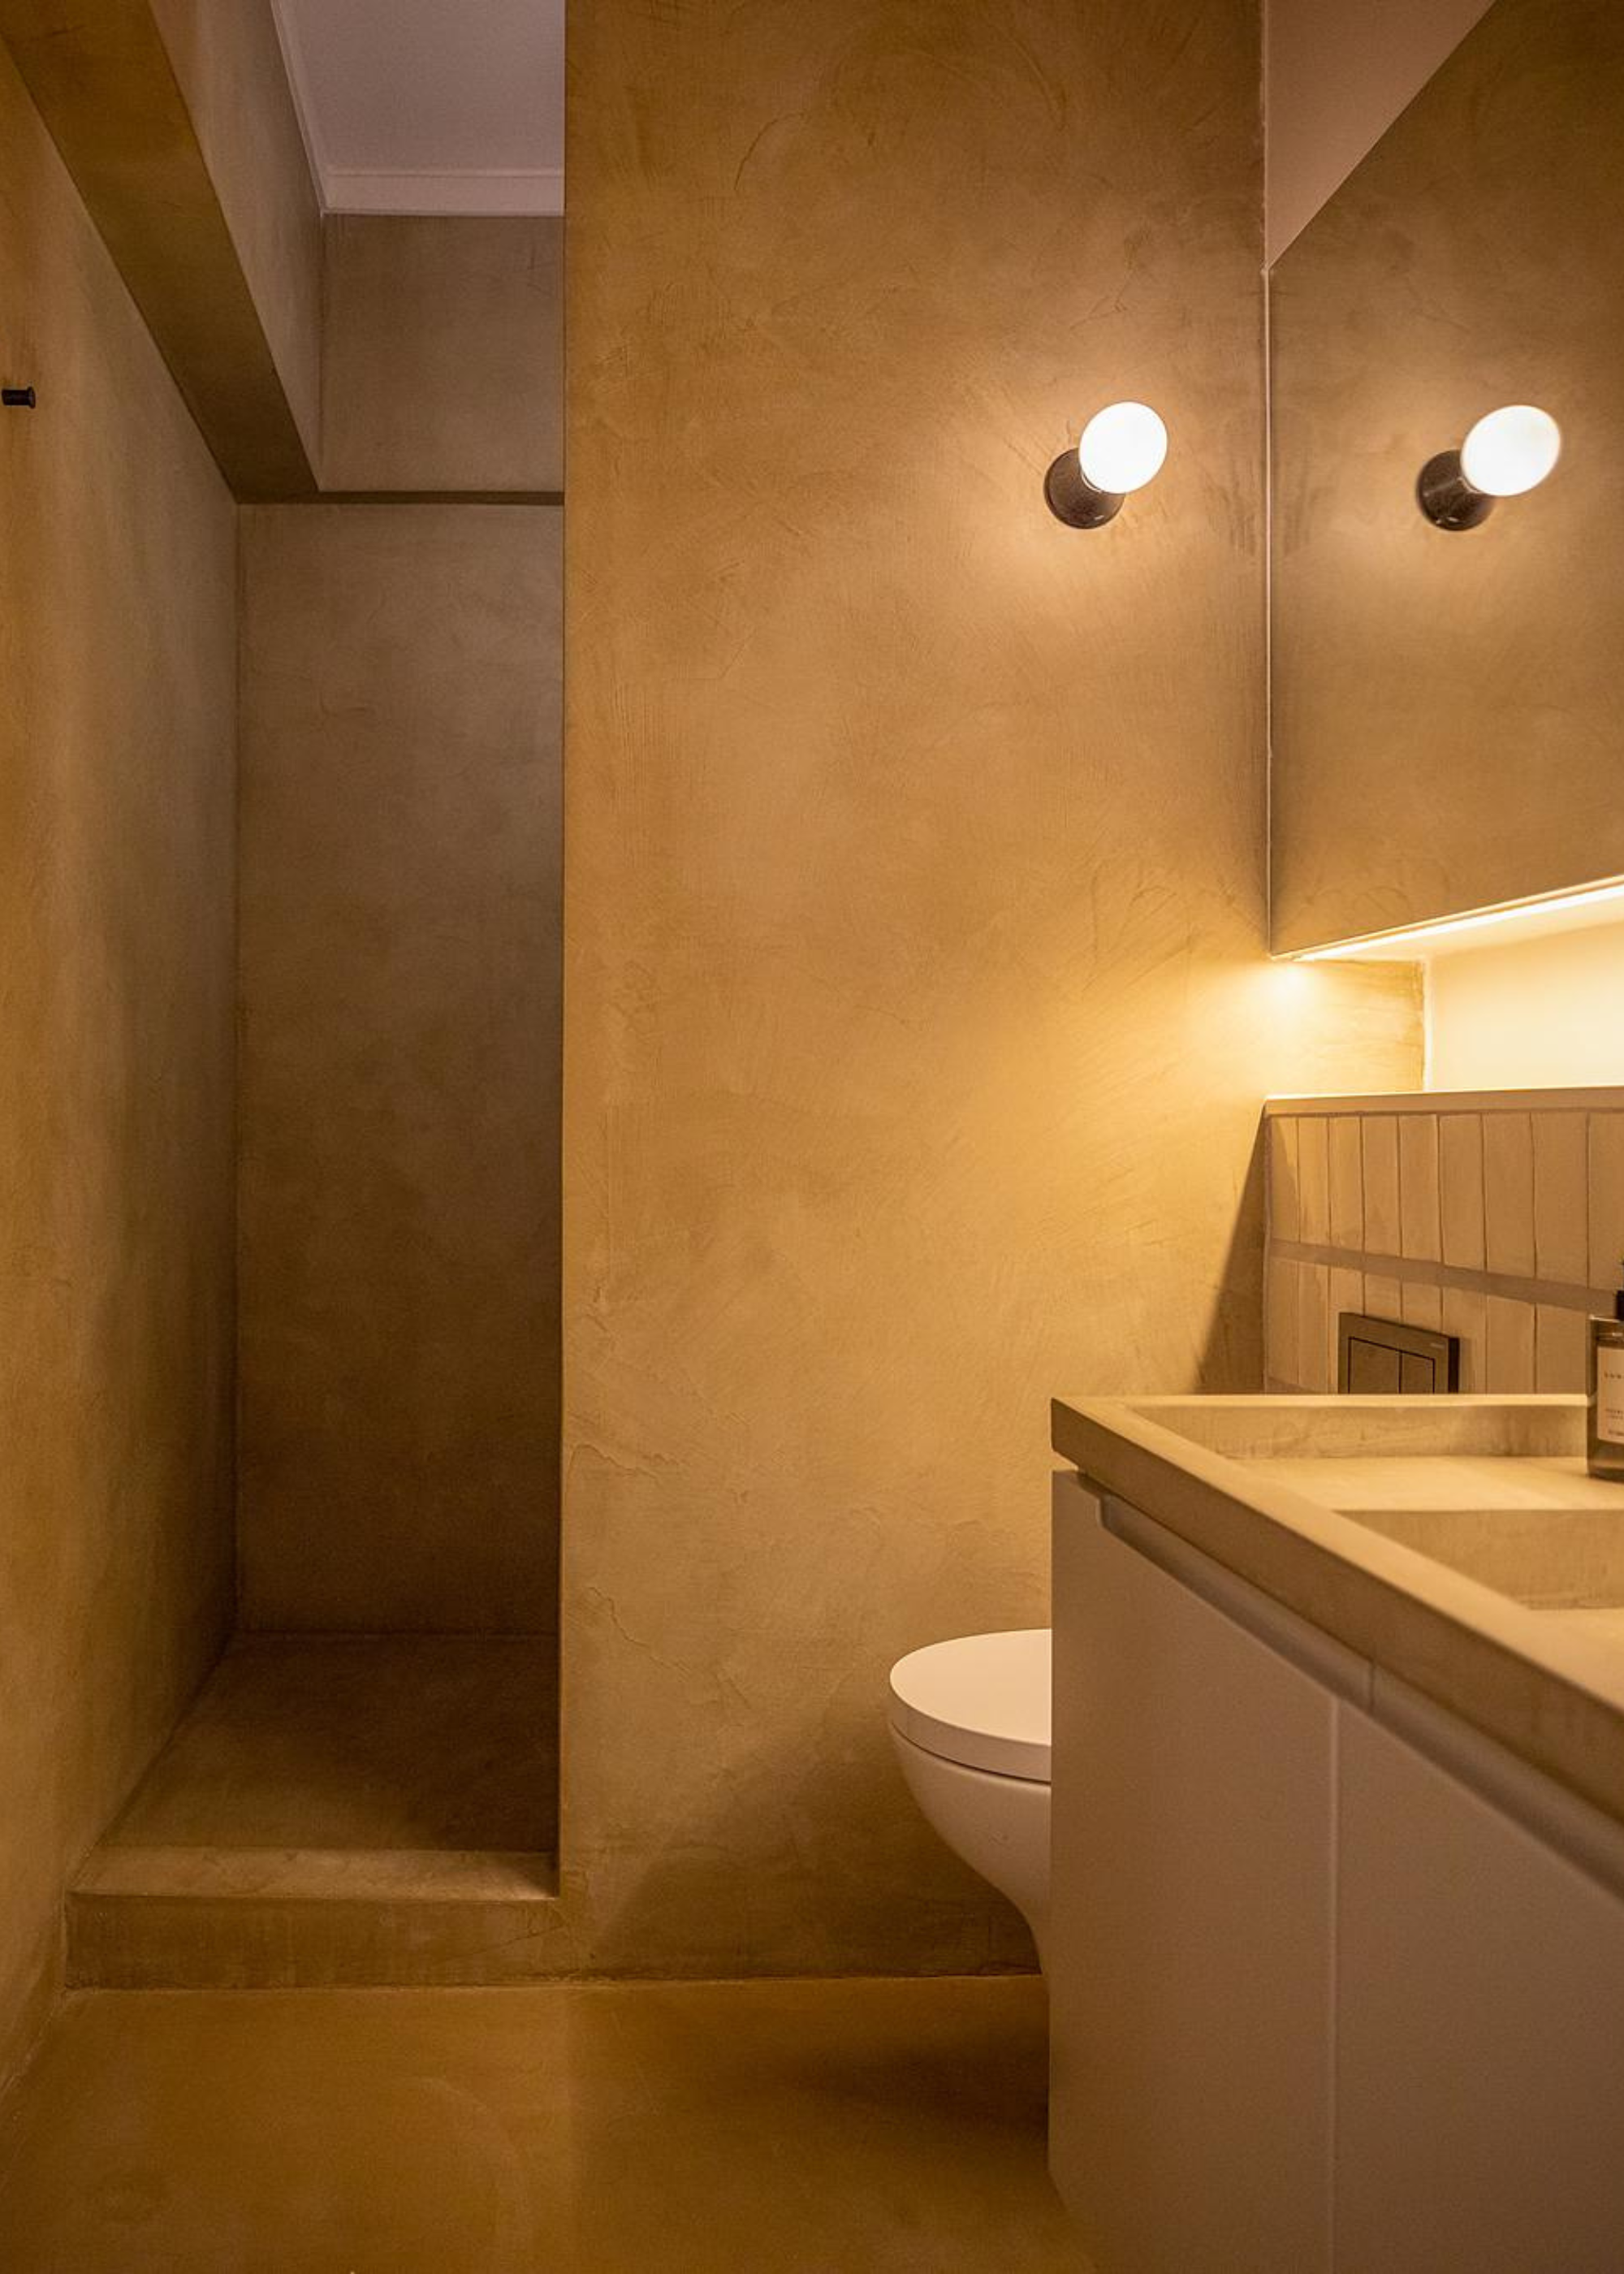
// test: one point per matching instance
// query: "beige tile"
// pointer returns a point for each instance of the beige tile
(1459, 1189)
(1283, 1189)
(1421, 1305)
(1313, 1369)
(1313, 1168)
(1466, 1314)
(1509, 1367)
(583, 2128)
(1345, 1182)
(1284, 1211)
(1561, 1202)
(1606, 1198)
(1383, 1232)
(1384, 1298)
(1508, 1192)
(1281, 1326)
(1345, 1293)
(1417, 1187)
(1560, 1349)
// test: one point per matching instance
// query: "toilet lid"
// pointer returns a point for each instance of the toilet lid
(982, 1701)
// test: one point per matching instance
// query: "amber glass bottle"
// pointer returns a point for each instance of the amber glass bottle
(1607, 1418)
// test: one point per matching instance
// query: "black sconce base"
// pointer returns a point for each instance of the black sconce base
(1074, 500)
(1446, 498)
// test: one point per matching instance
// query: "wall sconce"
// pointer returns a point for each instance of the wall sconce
(1507, 452)
(1123, 447)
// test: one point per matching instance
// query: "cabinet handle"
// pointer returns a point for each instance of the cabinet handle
(1307, 1647)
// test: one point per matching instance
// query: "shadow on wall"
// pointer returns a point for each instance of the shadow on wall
(898, 1893)
(1231, 1357)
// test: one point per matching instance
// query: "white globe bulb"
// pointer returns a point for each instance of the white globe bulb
(1511, 450)
(1123, 447)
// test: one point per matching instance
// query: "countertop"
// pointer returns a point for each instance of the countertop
(1510, 1616)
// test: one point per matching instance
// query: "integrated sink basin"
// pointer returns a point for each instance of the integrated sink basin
(1539, 1530)
(1567, 1561)
(1456, 1545)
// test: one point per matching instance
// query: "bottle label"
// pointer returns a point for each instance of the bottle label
(1610, 1395)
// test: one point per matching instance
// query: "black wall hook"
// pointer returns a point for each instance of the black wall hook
(16, 398)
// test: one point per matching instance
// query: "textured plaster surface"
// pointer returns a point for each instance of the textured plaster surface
(1337, 77)
(1446, 703)
(399, 1004)
(117, 675)
(917, 1018)
(444, 353)
(160, 109)
(888, 2126)
(340, 1808)
(229, 62)
(367, 1741)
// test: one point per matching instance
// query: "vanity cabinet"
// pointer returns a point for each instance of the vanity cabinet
(1478, 2033)
(1317, 2003)
(1189, 1948)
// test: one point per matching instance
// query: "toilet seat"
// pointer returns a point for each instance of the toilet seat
(981, 1701)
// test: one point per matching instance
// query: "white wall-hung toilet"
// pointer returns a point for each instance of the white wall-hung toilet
(970, 1723)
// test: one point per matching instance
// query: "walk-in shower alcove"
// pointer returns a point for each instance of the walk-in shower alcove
(365, 1789)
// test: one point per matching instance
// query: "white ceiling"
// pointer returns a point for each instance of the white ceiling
(429, 106)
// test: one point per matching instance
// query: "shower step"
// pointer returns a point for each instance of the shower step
(359, 1809)
(198, 1918)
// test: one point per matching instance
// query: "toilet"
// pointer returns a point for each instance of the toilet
(970, 1723)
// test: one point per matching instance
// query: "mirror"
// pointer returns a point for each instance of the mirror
(1448, 704)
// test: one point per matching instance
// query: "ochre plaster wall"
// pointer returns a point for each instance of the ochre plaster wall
(400, 1016)
(444, 353)
(917, 1022)
(229, 62)
(117, 684)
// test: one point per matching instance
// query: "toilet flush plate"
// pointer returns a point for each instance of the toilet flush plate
(1379, 1358)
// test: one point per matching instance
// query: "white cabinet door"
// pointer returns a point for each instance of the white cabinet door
(1480, 2034)
(1190, 1945)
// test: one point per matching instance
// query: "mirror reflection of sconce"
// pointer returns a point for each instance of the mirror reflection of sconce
(1508, 451)
(1123, 447)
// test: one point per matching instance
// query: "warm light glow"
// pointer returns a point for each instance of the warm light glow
(1529, 916)
(1529, 1013)
(1123, 447)
(1511, 450)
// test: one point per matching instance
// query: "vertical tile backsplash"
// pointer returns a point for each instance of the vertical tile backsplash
(1420, 1230)
(1459, 1189)
(1383, 1221)
(1345, 1182)
(1605, 1141)
(1499, 1218)
(1508, 1194)
(1313, 1181)
(1561, 1198)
